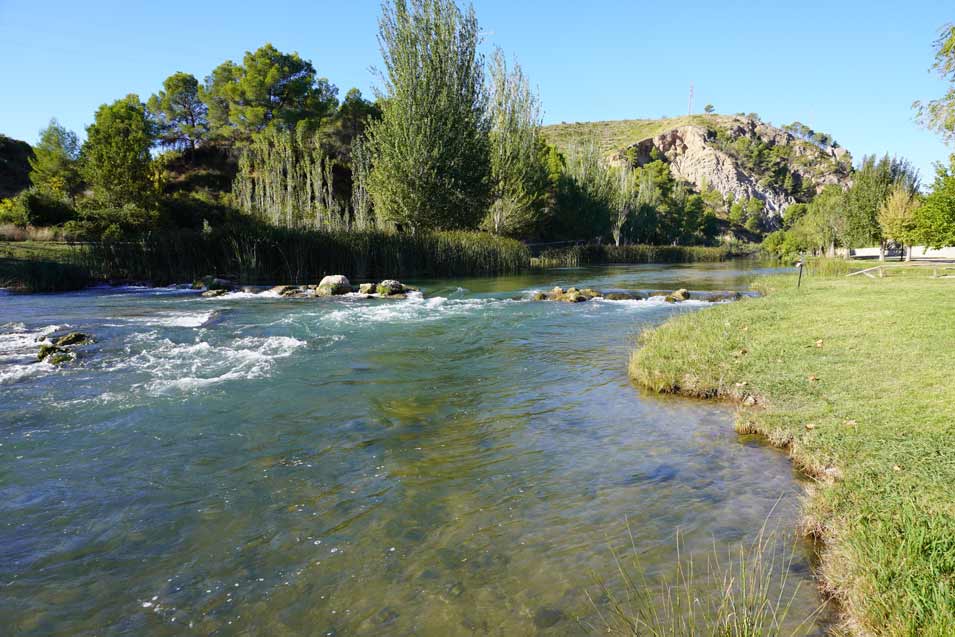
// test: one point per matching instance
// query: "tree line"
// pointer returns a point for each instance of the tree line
(452, 141)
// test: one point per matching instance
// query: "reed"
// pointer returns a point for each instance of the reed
(279, 255)
(593, 254)
(745, 591)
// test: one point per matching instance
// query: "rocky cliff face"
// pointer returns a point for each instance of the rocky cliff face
(746, 158)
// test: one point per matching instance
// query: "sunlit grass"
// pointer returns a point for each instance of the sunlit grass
(855, 376)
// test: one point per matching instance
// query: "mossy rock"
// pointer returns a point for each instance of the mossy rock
(62, 357)
(285, 290)
(214, 293)
(390, 287)
(590, 293)
(680, 295)
(573, 296)
(367, 288)
(619, 296)
(73, 338)
(48, 349)
(539, 296)
(333, 285)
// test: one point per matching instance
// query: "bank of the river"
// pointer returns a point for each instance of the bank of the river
(855, 377)
(281, 256)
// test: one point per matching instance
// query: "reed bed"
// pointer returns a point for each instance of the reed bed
(278, 255)
(593, 254)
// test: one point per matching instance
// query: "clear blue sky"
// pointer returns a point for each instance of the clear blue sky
(851, 69)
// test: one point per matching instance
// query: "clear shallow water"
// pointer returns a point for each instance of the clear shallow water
(448, 465)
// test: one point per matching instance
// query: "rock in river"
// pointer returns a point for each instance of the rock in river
(333, 285)
(73, 338)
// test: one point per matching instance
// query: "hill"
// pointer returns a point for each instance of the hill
(14, 166)
(739, 156)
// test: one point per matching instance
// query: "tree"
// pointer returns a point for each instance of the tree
(54, 166)
(935, 218)
(354, 115)
(431, 147)
(270, 89)
(709, 108)
(625, 195)
(180, 114)
(897, 215)
(115, 157)
(939, 115)
(286, 179)
(518, 174)
(871, 185)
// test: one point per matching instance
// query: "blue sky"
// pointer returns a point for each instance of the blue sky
(851, 69)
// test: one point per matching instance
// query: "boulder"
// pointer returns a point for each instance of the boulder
(367, 288)
(73, 338)
(333, 285)
(555, 293)
(214, 293)
(572, 295)
(590, 293)
(681, 295)
(48, 349)
(285, 290)
(539, 296)
(619, 296)
(210, 282)
(61, 357)
(390, 287)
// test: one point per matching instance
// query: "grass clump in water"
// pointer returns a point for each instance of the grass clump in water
(745, 592)
(855, 376)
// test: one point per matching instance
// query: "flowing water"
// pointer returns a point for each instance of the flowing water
(452, 464)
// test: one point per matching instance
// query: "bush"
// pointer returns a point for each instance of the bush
(34, 207)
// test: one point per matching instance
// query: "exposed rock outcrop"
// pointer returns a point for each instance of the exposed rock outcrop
(701, 155)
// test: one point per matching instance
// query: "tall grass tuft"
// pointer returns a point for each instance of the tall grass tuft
(278, 255)
(592, 254)
(746, 592)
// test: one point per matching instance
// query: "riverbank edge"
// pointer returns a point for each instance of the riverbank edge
(654, 368)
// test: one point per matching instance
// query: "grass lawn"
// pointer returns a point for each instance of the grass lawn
(857, 378)
(40, 266)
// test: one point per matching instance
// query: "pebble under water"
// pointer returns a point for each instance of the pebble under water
(452, 464)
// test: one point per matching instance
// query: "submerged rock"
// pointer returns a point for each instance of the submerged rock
(48, 349)
(214, 293)
(621, 296)
(333, 285)
(546, 617)
(285, 290)
(61, 357)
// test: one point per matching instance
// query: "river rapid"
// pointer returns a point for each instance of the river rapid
(455, 463)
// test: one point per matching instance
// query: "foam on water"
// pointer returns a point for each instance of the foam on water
(18, 349)
(415, 308)
(170, 367)
(176, 319)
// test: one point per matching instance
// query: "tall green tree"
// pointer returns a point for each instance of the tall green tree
(431, 146)
(897, 215)
(180, 114)
(54, 166)
(115, 157)
(354, 116)
(939, 114)
(270, 89)
(518, 174)
(871, 185)
(935, 218)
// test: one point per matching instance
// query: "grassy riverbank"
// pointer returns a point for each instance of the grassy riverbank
(855, 377)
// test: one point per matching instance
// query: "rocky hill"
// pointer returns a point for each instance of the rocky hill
(739, 156)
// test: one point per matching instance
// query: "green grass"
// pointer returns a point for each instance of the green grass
(857, 378)
(614, 135)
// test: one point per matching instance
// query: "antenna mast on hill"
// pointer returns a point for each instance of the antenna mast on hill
(689, 108)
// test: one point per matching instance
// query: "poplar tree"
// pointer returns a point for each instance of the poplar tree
(430, 148)
(518, 174)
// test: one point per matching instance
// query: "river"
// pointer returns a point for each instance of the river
(452, 464)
